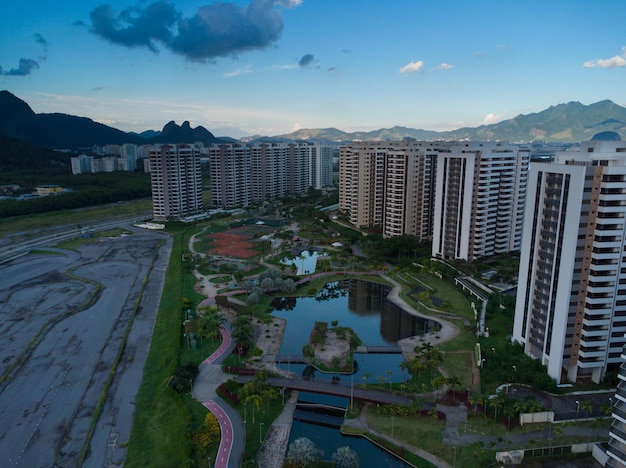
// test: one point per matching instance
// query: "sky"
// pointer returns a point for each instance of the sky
(270, 67)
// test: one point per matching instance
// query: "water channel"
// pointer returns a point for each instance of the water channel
(364, 307)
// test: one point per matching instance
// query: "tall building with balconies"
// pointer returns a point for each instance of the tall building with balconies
(176, 179)
(242, 174)
(389, 186)
(479, 200)
(230, 175)
(616, 449)
(571, 301)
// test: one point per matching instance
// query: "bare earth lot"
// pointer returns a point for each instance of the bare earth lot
(63, 318)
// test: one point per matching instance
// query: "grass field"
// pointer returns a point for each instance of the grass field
(161, 417)
(44, 221)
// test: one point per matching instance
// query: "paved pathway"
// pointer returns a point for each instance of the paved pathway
(211, 376)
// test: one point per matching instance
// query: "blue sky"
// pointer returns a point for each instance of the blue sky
(272, 66)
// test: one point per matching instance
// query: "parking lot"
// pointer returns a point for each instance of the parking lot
(75, 327)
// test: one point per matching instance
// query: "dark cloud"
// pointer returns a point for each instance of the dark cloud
(98, 88)
(306, 60)
(39, 39)
(134, 26)
(25, 67)
(216, 30)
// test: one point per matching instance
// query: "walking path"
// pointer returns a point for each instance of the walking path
(210, 376)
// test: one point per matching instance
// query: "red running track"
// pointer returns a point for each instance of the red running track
(226, 440)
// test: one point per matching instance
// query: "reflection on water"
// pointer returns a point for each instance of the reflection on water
(329, 439)
(358, 304)
(364, 307)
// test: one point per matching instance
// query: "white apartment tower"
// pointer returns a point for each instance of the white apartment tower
(242, 174)
(388, 185)
(571, 299)
(176, 178)
(479, 200)
(616, 449)
(322, 166)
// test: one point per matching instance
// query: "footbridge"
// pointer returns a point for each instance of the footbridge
(344, 389)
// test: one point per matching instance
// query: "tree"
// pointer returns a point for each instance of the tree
(404, 366)
(496, 403)
(302, 451)
(453, 381)
(475, 399)
(587, 406)
(256, 401)
(345, 457)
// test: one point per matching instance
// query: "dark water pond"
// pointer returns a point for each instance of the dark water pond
(328, 439)
(362, 306)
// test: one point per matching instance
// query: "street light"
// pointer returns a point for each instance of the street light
(392, 426)
(260, 433)
(351, 391)
(577, 408)
(494, 350)
(611, 402)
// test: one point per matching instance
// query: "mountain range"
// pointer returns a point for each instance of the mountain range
(62, 131)
(571, 122)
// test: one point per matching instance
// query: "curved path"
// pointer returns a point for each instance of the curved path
(210, 376)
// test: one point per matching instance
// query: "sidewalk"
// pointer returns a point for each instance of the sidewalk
(274, 449)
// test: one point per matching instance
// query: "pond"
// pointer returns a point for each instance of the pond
(305, 262)
(362, 306)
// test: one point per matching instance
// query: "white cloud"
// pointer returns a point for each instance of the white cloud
(239, 72)
(491, 118)
(616, 61)
(445, 66)
(412, 67)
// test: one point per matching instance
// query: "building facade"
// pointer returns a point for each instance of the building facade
(479, 200)
(176, 178)
(616, 450)
(389, 186)
(242, 174)
(571, 300)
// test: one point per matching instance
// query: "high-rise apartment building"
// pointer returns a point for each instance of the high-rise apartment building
(388, 185)
(571, 300)
(616, 449)
(242, 174)
(321, 166)
(81, 164)
(176, 177)
(479, 200)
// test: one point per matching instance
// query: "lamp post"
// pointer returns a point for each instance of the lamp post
(245, 413)
(351, 391)
(392, 426)
(260, 433)
(577, 409)
(611, 402)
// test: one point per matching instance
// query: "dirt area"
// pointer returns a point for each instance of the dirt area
(333, 347)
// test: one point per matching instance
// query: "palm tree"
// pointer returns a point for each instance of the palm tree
(453, 381)
(475, 399)
(256, 401)
(438, 382)
(587, 406)
(404, 366)
(497, 402)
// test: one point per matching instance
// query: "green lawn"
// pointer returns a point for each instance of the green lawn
(161, 417)
(43, 221)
